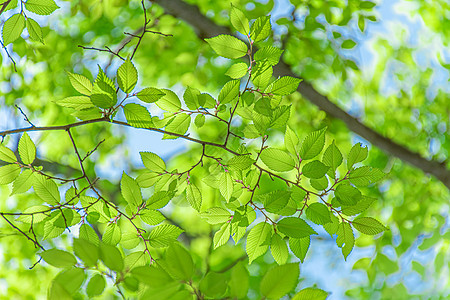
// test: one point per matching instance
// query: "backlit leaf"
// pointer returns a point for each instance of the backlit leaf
(227, 46)
(280, 280)
(277, 160)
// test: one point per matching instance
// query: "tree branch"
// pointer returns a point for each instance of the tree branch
(205, 28)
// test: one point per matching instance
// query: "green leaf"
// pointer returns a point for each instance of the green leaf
(127, 76)
(163, 235)
(199, 120)
(260, 29)
(112, 234)
(87, 251)
(295, 227)
(239, 281)
(41, 7)
(111, 257)
(240, 163)
(159, 199)
(279, 249)
(151, 217)
(47, 190)
(23, 182)
(229, 92)
(368, 225)
(277, 160)
(270, 54)
(333, 226)
(137, 115)
(318, 213)
(58, 258)
(228, 46)
(285, 85)
(275, 201)
(71, 279)
(367, 4)
(239, 21)
(311, 294)
(214, 285)
(256, 240)
(280, 280)
(191, 98)
(347, 194)
(169, 102)
(58, 292)
(80, 83)
(348, 44)
(7, 155)
(179, 262)
(313, 144)
(216, 215)
(12, 28)
(237, 70)
(27, 149)
(364, 176)
(194, 196)
(332, 158)
(345, 238)
(291, 141)
(153, 162)
(222, 236)
(9, 173)
(262, 73)
(34, 30)
(96, 285)
(130, 190)
(359, 207)
(356, 155)
(180, 124)
(150, 95)
(300, 247)
(226, 185)
(87, 233)
(319, 184)
(103, 95)
(314, 169)
(76, 102)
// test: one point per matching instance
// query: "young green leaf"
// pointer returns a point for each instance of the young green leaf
(279, 249)
(47, 190)
(112, 234)
(163, 235)
(194, 196)
(285, 85)
(261, 74)
(239, 281)
(191, 98)
(41, 7)
(58, 258)
(169, 102)
(103, 95)
(34, 30)
(368, 225)
(226, 185)
(313, 144)
(111, 257)
(270, 54)
(159, 199)
(76, 102)
(240, 163)
(347, 194)
(150, 95)
(86, 251)
(80, 83)
(229, 92)
(153, 162)
(137, 116)
(348, 44)
(256, 240)
(315, 169)
(260, 29)
(216, 215)
(365, 175)
(214, 285)
(96, 285)
(300, 247)
(180, 124)
(151, 217)
(9, 173)
(12, 28)
(7, 155)
(318, 213)
(277, 160)
(332, 158)
(23, 182)
(27, 149)
(311, 294)
(291, 141)
(179, 262)
(239, 21)
(87, 233)
(275, 201)
(358, 208)
(130, 190)
(199, 120)
(295, 227)
(222, 236)
(319, 184)
(345, 238)
(228, 46)
(127, 76)
(237, 70)
(71, 280)
(333, 226)
(280, 280)
(356, 155)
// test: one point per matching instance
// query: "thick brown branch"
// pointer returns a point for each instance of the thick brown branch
(205, 28)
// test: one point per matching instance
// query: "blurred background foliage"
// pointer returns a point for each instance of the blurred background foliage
(384, 62)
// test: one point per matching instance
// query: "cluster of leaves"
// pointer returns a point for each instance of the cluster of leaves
(149, 261)
(15, 25)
